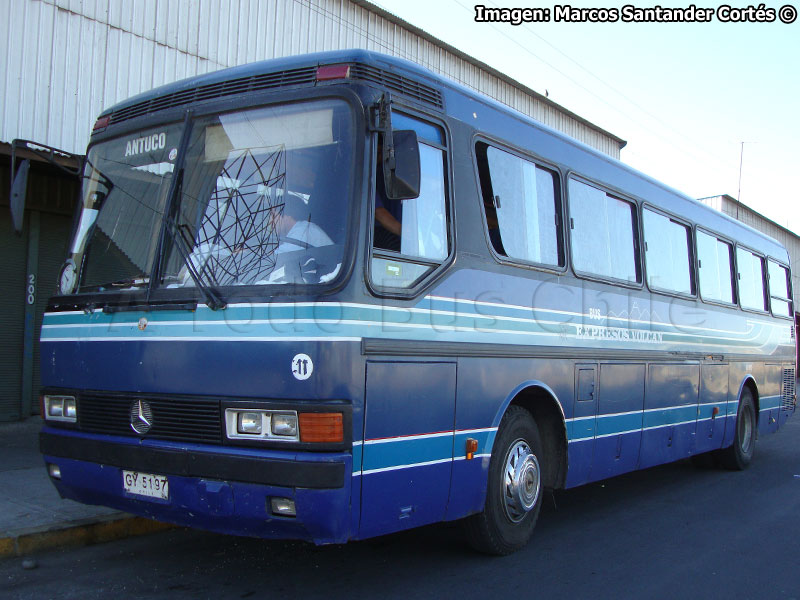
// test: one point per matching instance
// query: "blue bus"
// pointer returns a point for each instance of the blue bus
(335, 296)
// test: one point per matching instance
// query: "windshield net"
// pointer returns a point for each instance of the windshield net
(264, 201)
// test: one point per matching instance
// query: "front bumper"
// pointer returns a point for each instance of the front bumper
(220, 489)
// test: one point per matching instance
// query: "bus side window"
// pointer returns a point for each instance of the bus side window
(492, 223)
(751, 280)
(715, 260)
(410, 237)
(604, 233)
(667, 253)
(522, 206)
(780, 289)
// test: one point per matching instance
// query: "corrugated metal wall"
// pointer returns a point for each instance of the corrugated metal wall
(66, 60)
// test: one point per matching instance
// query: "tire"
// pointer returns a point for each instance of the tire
(738, 456)
(509, 515)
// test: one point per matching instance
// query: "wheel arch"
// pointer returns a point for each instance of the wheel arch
(546, 409)
(749, 382)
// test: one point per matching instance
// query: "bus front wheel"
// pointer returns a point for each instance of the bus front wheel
(739, 455)
(514, 492)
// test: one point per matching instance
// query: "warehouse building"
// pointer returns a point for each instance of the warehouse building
(66, 60)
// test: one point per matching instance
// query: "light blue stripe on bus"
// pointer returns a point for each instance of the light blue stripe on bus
(358, 453)
(406, 452)
(586, 428)
(413, 451)
(770, 402)
(669, 416)
(578, 429)
(351, 319)
(611, 424)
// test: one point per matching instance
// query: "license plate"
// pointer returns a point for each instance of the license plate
(146, 484)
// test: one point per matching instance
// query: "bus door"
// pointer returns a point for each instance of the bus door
(619, 419)
(408, 444)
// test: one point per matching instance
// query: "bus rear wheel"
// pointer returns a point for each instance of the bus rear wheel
(514, 492)
(738, 456)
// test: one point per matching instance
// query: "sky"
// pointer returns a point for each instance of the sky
(683, 95)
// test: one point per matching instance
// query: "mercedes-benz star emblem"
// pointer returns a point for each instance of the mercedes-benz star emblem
(141, 417)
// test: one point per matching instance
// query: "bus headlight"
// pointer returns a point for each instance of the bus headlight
(261, 425)
(249, 423)
(61, 408)
(284, 424)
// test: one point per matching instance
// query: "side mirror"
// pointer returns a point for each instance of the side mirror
(401, 170)
(18, 190)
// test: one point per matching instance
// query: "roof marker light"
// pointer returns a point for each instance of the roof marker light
(101, 123)
(328, 72)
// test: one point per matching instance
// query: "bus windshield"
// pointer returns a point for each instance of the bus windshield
(261, 198)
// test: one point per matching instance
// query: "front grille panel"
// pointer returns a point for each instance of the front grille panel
(176, 419)
(787, 399)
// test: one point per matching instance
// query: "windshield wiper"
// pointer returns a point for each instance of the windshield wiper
(213, 300)
(130, 282)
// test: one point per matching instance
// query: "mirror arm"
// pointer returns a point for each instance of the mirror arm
(384, 126)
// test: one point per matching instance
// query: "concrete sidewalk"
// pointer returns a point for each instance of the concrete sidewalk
(34, 517)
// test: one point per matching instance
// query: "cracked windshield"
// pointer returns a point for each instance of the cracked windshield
(262, 199)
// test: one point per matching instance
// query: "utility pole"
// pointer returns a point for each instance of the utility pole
(739, 192)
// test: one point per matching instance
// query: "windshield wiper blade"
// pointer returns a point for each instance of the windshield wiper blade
(130, 282)
(213, 300)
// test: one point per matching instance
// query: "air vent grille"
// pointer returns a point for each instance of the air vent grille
(409, 88)
(398, 84)
(292, 77)
(787, 398)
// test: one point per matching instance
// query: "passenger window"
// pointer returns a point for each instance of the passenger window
(751, 280)
(603, 233)
(522, 207)
(666, 252)
(780, 290)
(715, 260)
(411, 236)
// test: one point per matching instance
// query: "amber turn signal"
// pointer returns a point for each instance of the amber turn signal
(472, 448)
(321, 427)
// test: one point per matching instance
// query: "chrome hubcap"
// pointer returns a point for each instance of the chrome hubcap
(521, 481)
